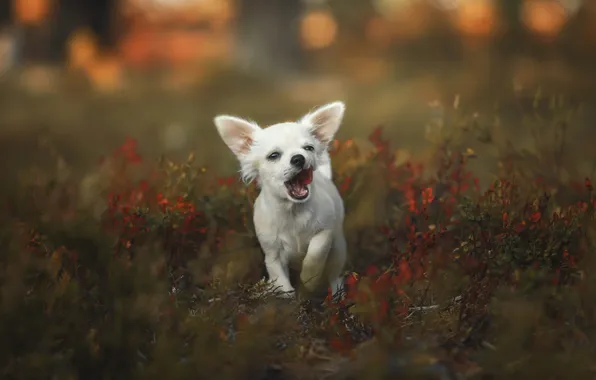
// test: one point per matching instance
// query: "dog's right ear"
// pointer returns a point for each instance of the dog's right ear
(238, 134)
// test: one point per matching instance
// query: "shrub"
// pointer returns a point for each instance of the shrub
(148, 272)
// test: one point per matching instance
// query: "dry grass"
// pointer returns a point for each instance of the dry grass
(149, 268)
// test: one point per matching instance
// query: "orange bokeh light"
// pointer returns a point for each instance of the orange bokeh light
(31, 11)
(544, 17)
(137, 48)
(167, 35)
(82, 49)
(410, 20)
(318, 29)
(105, 73)
(181, 46)
(476, 18)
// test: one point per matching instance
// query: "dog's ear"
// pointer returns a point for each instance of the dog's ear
(325, 121)
(238, 134)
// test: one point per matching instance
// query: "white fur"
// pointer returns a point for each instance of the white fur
(306, 234)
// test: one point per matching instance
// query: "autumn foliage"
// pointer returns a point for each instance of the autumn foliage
(165, 280)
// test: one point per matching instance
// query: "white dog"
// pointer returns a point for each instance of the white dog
(299, 213)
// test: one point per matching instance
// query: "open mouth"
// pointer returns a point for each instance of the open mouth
(297, 186)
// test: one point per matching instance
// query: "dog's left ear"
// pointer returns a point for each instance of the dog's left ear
(325, 121)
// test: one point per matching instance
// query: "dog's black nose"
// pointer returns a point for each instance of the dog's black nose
(298, 161)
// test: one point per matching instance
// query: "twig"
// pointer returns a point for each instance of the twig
(432, 307)
(486, 344)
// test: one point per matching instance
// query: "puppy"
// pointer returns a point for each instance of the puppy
(299, 213)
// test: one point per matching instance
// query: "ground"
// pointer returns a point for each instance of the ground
(130, 250)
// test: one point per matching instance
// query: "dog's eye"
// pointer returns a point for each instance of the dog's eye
(309, 148)
(273, 156)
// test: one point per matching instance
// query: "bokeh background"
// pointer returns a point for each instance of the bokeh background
(84, 74)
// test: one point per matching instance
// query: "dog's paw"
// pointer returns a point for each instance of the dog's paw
(285, 294)
(276, 290)
(264, 289)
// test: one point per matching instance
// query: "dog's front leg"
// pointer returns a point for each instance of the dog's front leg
(314, 262)
(277, 268)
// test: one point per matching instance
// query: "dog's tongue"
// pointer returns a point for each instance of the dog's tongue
(297, 186)
(304, 177)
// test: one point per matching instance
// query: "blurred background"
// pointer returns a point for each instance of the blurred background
(87, 73)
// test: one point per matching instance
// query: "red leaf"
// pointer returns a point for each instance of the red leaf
(383, 308)
(352, 279)
(520, 227)
(372, 270)
(405, 272)
(340, 344)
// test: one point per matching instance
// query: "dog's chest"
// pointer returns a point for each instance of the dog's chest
(294, 231)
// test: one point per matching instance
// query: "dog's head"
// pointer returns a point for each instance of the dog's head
(283, 156)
